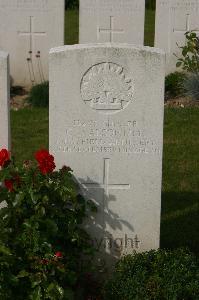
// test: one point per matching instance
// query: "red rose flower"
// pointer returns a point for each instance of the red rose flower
(4, 157)
(45, 161)
(9, 184)
(58, 254)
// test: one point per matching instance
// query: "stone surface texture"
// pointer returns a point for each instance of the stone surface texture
(173, 19)
(4, 102)
(119, 21)
(106, 123)
(28, 29)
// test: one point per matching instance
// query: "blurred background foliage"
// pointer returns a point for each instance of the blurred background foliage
(150, 4)
(71, 4)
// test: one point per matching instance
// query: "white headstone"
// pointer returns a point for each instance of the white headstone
(28, 29)
(120, 21)
(4, 102)
(106, 123)
(173, 19)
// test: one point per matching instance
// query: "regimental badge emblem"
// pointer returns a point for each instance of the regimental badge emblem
(106, 88)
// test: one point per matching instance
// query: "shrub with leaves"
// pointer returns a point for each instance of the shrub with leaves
(174, 84)
(44, 252)
(155, 275)
(191, 86)
(39, 95)
(190, 53)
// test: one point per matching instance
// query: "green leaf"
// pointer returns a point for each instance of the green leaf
(51, 226)
(184, 51)
(27, 225)
(54, 291)
(60, 290)
(178, 64)
(36, 294)
(35, 283)
(50, 287)
(45, 199)
(4, 211)
(41, 211)
(4, 250)
(23, 274)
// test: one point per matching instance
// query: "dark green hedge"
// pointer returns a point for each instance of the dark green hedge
(72, 4)
(150, 4)
(39, 95)
(155, 275)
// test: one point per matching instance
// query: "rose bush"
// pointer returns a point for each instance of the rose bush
(44, 252)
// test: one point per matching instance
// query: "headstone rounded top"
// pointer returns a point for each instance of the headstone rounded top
(113, 46)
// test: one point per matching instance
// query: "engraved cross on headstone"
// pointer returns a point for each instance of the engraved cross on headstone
(188, 27)
(106, 186)
(31, 33)
(111, 30)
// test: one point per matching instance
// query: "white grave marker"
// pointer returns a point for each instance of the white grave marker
(112, 21)
(173, 19)
(4, 102)
(28, 29)
(106, 123)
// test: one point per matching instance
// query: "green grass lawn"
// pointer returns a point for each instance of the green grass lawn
(29, 131)
(180, 198)
(72, 27)
(149, 28)
(180, 201)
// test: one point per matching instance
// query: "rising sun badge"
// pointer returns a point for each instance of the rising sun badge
(106, 88)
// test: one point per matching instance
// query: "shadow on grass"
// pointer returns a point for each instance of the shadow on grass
(180, 221)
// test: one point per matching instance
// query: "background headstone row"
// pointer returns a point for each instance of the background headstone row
(28, 29)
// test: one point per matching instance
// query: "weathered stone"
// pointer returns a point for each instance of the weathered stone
(106, 123)
(4, 102)
(173, 19)
(28, 29)
(112, 21)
